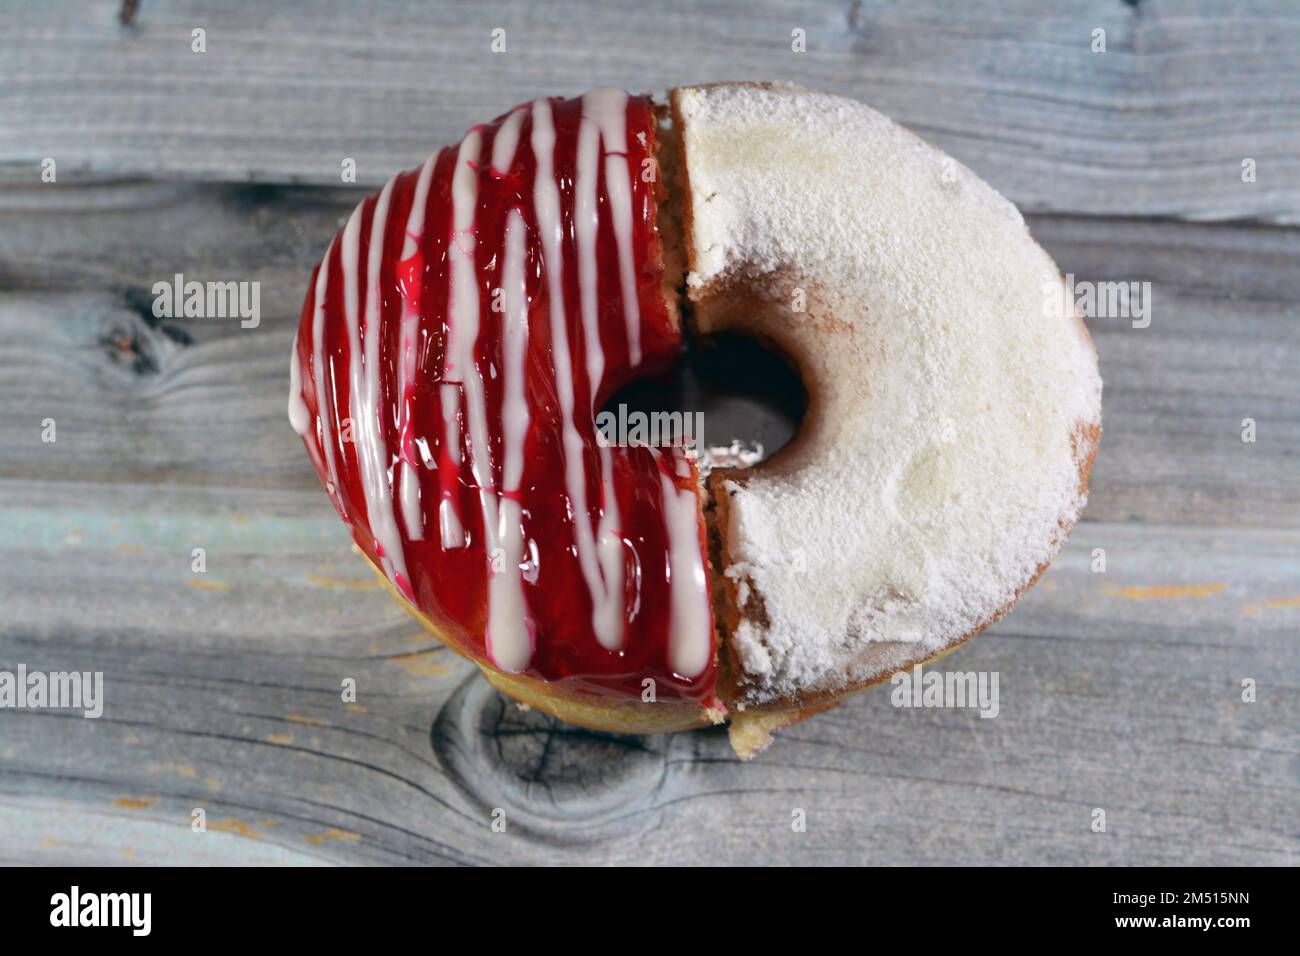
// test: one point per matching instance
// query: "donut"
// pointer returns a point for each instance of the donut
(469, 321)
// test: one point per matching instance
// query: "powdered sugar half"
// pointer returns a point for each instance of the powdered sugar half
(938, 463)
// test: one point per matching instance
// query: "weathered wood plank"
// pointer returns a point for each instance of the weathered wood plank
(1223, 345)
(136, 399)
(1118, 690)
(1158, 125)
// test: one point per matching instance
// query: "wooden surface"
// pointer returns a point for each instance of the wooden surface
(1118, 690)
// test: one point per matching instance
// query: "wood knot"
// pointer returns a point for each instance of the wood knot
(545, 775)
(134, 339)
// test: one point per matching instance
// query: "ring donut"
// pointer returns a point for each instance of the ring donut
(469, 321)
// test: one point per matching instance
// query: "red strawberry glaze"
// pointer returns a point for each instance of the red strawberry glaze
(382, 402)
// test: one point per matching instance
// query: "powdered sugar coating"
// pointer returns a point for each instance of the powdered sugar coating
(950, 408)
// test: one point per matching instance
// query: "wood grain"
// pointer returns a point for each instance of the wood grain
(227, 698)
(1157, 125)
(1119, 689)
(202, 401)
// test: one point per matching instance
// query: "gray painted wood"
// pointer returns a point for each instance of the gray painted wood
(1119, 690)
(1157, 125)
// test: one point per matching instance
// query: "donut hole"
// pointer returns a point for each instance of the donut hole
(750, 398)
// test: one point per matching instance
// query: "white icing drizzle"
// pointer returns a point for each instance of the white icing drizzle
(604, 576)
(363, 385)
(609, 613)
(509, 645)
(299, 417)
(605, 113)
(586, 218)
(408, 475)
(514, 406)
(463, 322)
(318, 373)
(509, 638)
(510, 632)
(608, 109)
(459, 365)
(410, 500)
(506, 141)
(451, 531)
(689, 644)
